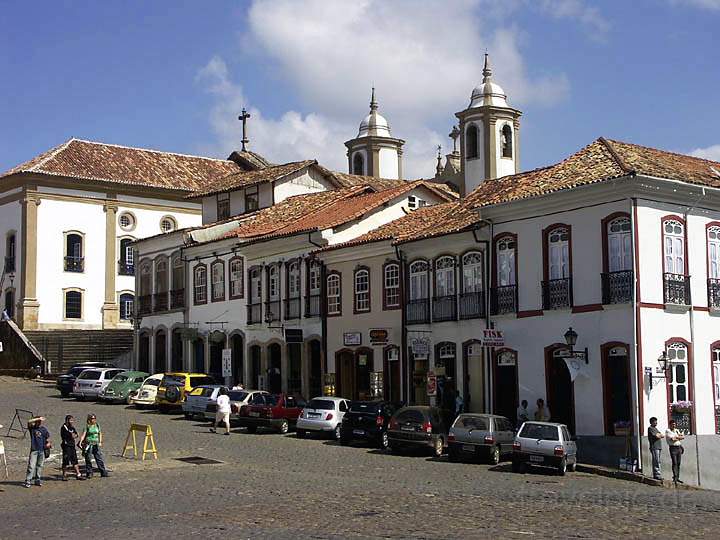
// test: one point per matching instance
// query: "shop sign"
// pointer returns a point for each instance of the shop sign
(293, 335)
(378, 336)
(351, 339)
(420, 346)
(493, 338)
(227, 362)
(431, 384)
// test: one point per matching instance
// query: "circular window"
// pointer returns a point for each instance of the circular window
(167, 224)
(127, 221)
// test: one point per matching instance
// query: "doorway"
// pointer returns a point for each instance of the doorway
(560, 391)
(274, 372)
(199, 355)
(144, 353)
(505, 384)
(294, 368)
(391, 375)
(160, 352)
(616, 386)
(176, 350)
(254, 375)
(315, 368)
(236, 345)
(345, 368)
(216, 349)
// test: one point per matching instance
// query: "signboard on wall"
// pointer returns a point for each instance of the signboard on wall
(293, 335)
(352, 339)
(378, 336)
(431, 384)
(493, 338)
(227, 362)
(420, 346)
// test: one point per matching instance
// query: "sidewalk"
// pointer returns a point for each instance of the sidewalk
(631, 477)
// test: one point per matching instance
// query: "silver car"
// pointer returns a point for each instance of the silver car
(545, 444)
(322, 415)
(197, 400)
(238, 399)
(480, 435)
(91, 382)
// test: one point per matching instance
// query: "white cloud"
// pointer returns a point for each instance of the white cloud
(577, 9)
(424, 57)
(711, 152)
(703, 4)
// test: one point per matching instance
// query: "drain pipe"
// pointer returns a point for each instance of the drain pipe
(404, 357)
(637, 365)
(487, 367)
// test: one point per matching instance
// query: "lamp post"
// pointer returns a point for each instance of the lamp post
(571, 337)
(661, 370)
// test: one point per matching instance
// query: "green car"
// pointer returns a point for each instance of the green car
(123, 386)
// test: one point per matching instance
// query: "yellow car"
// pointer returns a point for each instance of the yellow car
(174, 386)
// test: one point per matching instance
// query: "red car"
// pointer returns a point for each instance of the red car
(274, 411)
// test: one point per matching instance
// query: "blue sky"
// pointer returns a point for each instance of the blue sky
(174, 75)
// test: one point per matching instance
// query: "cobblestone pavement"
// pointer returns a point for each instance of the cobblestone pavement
(274, 486)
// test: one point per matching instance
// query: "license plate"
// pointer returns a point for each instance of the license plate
(468, 447)
(537, 459)
(407, 428)
(254, 414)
(313, 415)
(358, 432)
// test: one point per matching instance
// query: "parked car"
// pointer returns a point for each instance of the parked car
(147, 392)
(480, 435)
(367, 421)
(545, 444)
(123, 386)
(91, 382)
(418, 426)
(66, 382)
(276, 411)
(174, 386)
(322, 415)
(196, 401)
(238, 400)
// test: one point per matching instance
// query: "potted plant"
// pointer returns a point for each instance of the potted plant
(622, 427)
(682, 407)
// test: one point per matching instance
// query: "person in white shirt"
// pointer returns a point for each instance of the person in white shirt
(523, 415)
(223, 411)
(674, 439)
(542, 414)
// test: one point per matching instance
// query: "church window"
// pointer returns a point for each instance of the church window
(358, 164)
(168, 224)
(73, 304)
(507, 142)
(471, 142)
(126, 221)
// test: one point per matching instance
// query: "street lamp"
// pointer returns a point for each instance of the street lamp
(269, 319)
(661, 370)
(571, 337)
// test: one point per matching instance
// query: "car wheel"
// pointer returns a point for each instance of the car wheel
(336, 433)
(452, 455)
(64, 394)
(562, 468)
(300, 433)
(438, 447)
(284, 427)
(188, 416)
(127, 401)
(252, 429)
(384, 440)
(495, 455)
(344, 440)
(518, 467)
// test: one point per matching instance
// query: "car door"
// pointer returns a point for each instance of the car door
(507, 434)
(343, 407)
(570, 445)
(292, 410)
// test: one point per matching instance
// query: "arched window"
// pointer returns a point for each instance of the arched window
(445, 361)
(362, 290)
(10, 253)
(677, 378)
(126, 306)
(200, 284)
(472, 268)
(145, 279)
(168, 224)
(391, 286)
(358, 164)
(507, 141)
(273, 277)
(217, 286)
(293, 279)
(419, 280)
(445, 276)
(73, 304)
(314, 278)
(674, 247)
(334, 305)
(715, 359)
(255, 285)
(713, 239)
(471, 142)
(558, 253)
(161, 276)
(178, 274)
(126, 265)
(619, 245)
(10, 302)
(74, 252)
(236, 277)
(505, 254)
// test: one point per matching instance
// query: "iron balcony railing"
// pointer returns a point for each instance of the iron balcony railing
(160, 301)
(444, 308)
(313, 305)
(504, 300)
(292, 308)
(254, 314)
(472, 305)
(617, 287)
(9, 264)
(126, 269)
(418, 311)
(74, 264)
(144, 304)
(714, 293)
(557, 293)
(177, 298)
(676, 288)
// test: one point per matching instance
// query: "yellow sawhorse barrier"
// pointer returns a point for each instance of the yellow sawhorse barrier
(147, 448)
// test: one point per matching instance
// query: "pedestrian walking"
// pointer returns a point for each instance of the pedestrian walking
(40, 446)
(674, 439)
(542, 413)
(655, 439)
(459, 403)
(239, 386)
(70, 438)
(523, 415)
(91, 445)
(223, 411)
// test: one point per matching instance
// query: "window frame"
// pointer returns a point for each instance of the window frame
(427, 279)
(689, 376)
(356, 300)
(547, 232)
(172, 221)
(715, 378)
(196, 288)
(709, 227)
(240, 278)
(131, 217)
(145, 268)
(509, 146)
(218, 263)
(311, 266)
(605, 235)
(223, 203)
(252, 281)
(463, 265)
(79, 291)
(248, 193)
(333, 274)
(358, 158)
(176, 262)
(475, 154)
(81, 257)
(663, 221)
(387, 305)
(269, 280)
(162, 260)
(120, 305)
(501, 237)
(444, 269)
(289, 265)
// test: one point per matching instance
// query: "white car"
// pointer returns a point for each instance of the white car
(323, 415)
(145, 396)
(197, 400)
(238, 399)
(91, 382)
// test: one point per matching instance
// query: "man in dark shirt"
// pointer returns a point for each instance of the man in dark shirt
(655, 439)
(70, 437)
(39, 442)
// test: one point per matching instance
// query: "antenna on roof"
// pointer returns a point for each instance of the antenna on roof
(243, 118)
(373, 103)
(487, 71)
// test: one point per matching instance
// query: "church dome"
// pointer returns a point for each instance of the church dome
(488, 92)
(374, 124)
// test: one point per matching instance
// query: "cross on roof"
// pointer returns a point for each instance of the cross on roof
(243, 118)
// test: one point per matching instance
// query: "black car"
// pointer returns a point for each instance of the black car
(367, 421)
(65, 382)
(418, 426)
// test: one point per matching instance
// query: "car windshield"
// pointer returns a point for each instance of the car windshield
(173, 380)
(364, 407)
(539, 431)
(90, 375)
(324, 404)
(152, 382)
(412, 416)
(471, 422)
(271, 399)
(74, 372)
(120, 378)
(236, 395)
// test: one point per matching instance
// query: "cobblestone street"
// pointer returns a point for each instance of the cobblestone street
(270, 485)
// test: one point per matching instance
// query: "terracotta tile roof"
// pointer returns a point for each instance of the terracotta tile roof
(89, 160)
(600, 161)
(239, 179)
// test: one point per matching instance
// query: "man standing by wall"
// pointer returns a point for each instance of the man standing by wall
(655, 439)
(674, 439)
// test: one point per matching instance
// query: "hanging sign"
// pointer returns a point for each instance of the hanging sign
(352, 339)
(431, 384)
(378, 336)
(227, 362)
(575, 367)
(420, 346)
(493, 338)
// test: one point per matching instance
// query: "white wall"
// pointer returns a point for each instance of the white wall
(475, 167)
(300, 183)
(389, 164)
(505, 166)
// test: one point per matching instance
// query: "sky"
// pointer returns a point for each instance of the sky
(174, 75)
